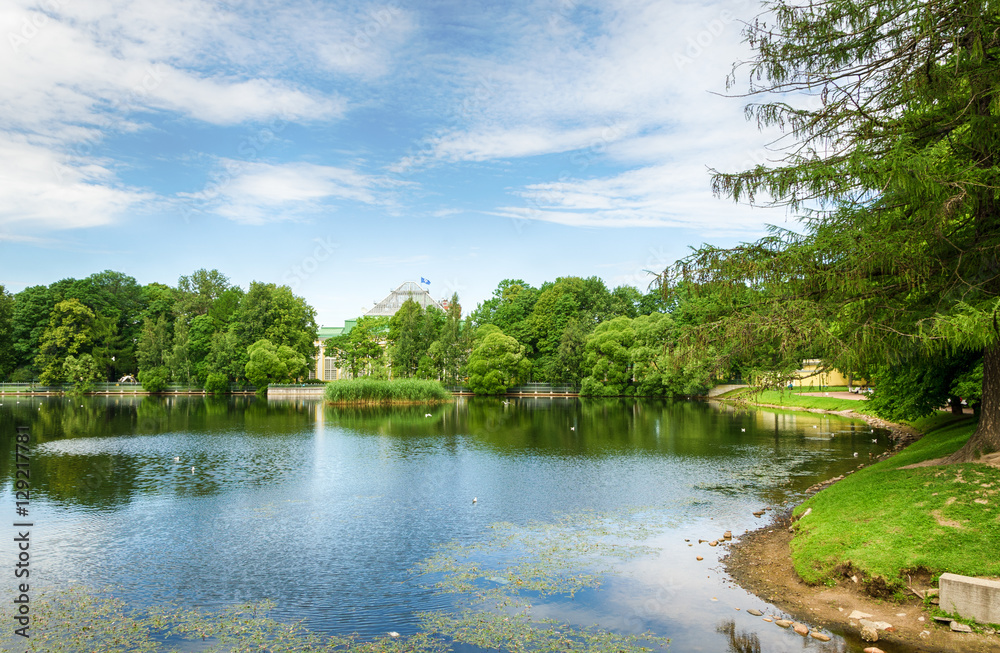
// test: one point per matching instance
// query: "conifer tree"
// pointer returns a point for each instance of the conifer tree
(891, 156)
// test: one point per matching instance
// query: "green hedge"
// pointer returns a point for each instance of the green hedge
(378, 391)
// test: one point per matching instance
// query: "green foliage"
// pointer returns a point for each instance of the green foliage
(497, 362)
(273, 364)
(361, 351)
(896, 171)
(155, 343)
(270, 312)
(383, 391)
(412, 331)
(70, 331)
(608, 359)
(154, 379)
(81, 372)
(216, 384)
(7, 354)
(918, 387)
(32, 310)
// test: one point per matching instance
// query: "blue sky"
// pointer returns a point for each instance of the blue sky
(343, 148)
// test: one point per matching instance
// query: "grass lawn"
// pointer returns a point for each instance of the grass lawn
(883, 520)
(792, 398)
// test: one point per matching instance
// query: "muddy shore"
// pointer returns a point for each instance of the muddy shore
(760, 561)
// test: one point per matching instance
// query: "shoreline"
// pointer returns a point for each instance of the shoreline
(760, 561)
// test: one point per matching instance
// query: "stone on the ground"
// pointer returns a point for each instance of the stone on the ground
(960, 628)
(868, 632)
(768, 619)
(823, 637)
(784, 623)
(755, 612)
(714, 543)
(874, 649)
(858, 614)
(699, 558)
(801, 629)
(728, 535)
(943, 620)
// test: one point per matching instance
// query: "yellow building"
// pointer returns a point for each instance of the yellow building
(813, 374)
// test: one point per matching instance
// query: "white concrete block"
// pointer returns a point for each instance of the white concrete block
(972, 598)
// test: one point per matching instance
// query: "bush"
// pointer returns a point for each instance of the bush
(217, 383)
(154, 379)
(379, 391)
(22, 375)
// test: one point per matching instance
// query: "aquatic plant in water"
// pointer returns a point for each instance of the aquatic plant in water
(494, 582)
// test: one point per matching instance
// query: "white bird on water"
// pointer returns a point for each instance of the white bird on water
(475, 499)
(192, 469)
(743, 430)
(427, 414)
(177, 459)
(572, 428)
(855, 454)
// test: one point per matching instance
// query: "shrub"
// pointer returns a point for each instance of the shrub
(217, 383)
(154, 379)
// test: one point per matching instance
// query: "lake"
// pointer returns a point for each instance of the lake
(331, 512)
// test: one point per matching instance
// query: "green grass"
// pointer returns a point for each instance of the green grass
(791, 398)
(884, 521)
(378, 391)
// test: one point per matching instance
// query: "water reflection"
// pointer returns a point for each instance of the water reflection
(328, 510)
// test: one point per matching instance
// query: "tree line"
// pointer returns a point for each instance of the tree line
(574, 331)
(205, 331)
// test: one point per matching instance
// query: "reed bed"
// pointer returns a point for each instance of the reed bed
(379, 392)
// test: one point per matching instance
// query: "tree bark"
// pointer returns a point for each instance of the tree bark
(986, 438)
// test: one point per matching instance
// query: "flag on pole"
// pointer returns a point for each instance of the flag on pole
(422, 280)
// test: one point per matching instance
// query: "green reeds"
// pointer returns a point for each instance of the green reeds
(380, 391)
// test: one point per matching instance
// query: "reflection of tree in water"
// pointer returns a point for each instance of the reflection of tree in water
(739, 642)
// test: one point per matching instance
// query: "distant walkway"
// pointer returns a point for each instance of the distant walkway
(723, 389)
(835, 395)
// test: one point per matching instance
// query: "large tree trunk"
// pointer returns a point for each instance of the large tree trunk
(986, 439)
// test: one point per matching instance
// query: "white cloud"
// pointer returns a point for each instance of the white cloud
(73, 74)
(559, 82)
(42, 190)
(255, 193)
(668, 195)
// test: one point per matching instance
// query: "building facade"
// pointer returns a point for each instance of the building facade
(326, 367)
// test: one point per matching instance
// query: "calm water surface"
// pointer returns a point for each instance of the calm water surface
(327, 511)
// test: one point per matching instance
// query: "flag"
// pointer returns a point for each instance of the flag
(422, 280)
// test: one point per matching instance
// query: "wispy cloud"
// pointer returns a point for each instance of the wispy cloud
(668, 195)
(256, 193)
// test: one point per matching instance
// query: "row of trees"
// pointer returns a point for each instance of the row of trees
(107, 325)
(572, 331)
